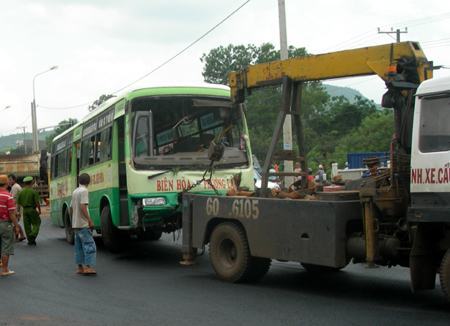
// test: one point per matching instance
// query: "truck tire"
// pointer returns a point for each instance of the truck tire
(258, 268)
(70, 236)
(155, 235)
(229, 253)
(150, 235)
(110, 234)
(444, 274)
(318, 269)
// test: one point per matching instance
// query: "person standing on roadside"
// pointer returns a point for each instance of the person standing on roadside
(297, 169)
(8, 226)
(320, 175)
(30, 202)
(15, 190)
(82, 225)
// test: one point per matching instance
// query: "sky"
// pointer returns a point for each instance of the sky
(101, 46)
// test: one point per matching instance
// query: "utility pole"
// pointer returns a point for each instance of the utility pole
(24, 142)
(397, 32)
(287, 126)
(33, 112)
(34, 132)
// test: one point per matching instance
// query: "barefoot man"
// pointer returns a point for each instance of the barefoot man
(8, 225)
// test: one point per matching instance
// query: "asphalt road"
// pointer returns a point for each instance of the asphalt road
(145, 285)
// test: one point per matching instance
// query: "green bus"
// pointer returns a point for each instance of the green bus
(142, 150)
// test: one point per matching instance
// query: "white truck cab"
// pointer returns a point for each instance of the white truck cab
(430, 157)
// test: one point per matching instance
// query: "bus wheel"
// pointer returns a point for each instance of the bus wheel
(444, 274)
(70, 237)
(229, 252)
(110, 234)
(152, 235)
(149, 235)
(317, 269)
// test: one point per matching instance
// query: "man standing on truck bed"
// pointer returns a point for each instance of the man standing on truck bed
(29, 200)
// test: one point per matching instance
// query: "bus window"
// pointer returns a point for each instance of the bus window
(54, 167)
(103, 148)
(60, 167)
(182, 129)
(61, 158)
(141, 145)
(87, 151)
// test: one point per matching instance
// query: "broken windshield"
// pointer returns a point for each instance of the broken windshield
(181, 129)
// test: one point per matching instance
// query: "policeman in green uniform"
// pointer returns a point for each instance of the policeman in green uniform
(30, 201)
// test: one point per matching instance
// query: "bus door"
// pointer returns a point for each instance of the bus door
(123, 189)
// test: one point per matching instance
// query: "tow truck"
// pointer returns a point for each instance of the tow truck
(398, 217)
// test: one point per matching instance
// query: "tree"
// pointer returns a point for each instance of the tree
(327, 124)
(62, 126)
(332, 126)
(263, 104)
(99, 101)
(221, 60)
(373, 135)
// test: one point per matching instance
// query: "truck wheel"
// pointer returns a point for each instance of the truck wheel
(150, 235)
(229, 253)
(258, 268)
(444, 274)
(110, 234)
(318, 269)
(155, 235)
(70, 236)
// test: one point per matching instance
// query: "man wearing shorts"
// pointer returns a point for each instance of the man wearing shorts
(8, 225)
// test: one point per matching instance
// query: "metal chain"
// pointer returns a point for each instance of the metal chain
(210, 170)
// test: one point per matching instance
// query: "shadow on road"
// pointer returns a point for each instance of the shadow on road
(352, 285)
(382, 287)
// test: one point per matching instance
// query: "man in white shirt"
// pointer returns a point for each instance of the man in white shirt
(85, 249)
(15, 190)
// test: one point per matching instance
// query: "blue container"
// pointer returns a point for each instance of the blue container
(356, 160)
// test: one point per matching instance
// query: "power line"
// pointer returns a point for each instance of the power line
(20, 124)
(435, 46)
(397, 32)
(411, 22)
(64, 107)
(436, 41)
(185, 49)
(164, 62)
(430, 19)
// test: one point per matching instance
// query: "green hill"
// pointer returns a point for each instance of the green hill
(347, 92)
(9, 142)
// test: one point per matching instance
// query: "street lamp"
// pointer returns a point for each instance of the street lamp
(6, 108)
(33, 111)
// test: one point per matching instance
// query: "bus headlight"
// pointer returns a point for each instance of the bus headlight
(155, 201)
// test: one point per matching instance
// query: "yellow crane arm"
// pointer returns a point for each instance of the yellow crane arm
(372, 60)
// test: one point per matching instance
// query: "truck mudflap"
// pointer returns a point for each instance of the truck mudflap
(307, 231)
